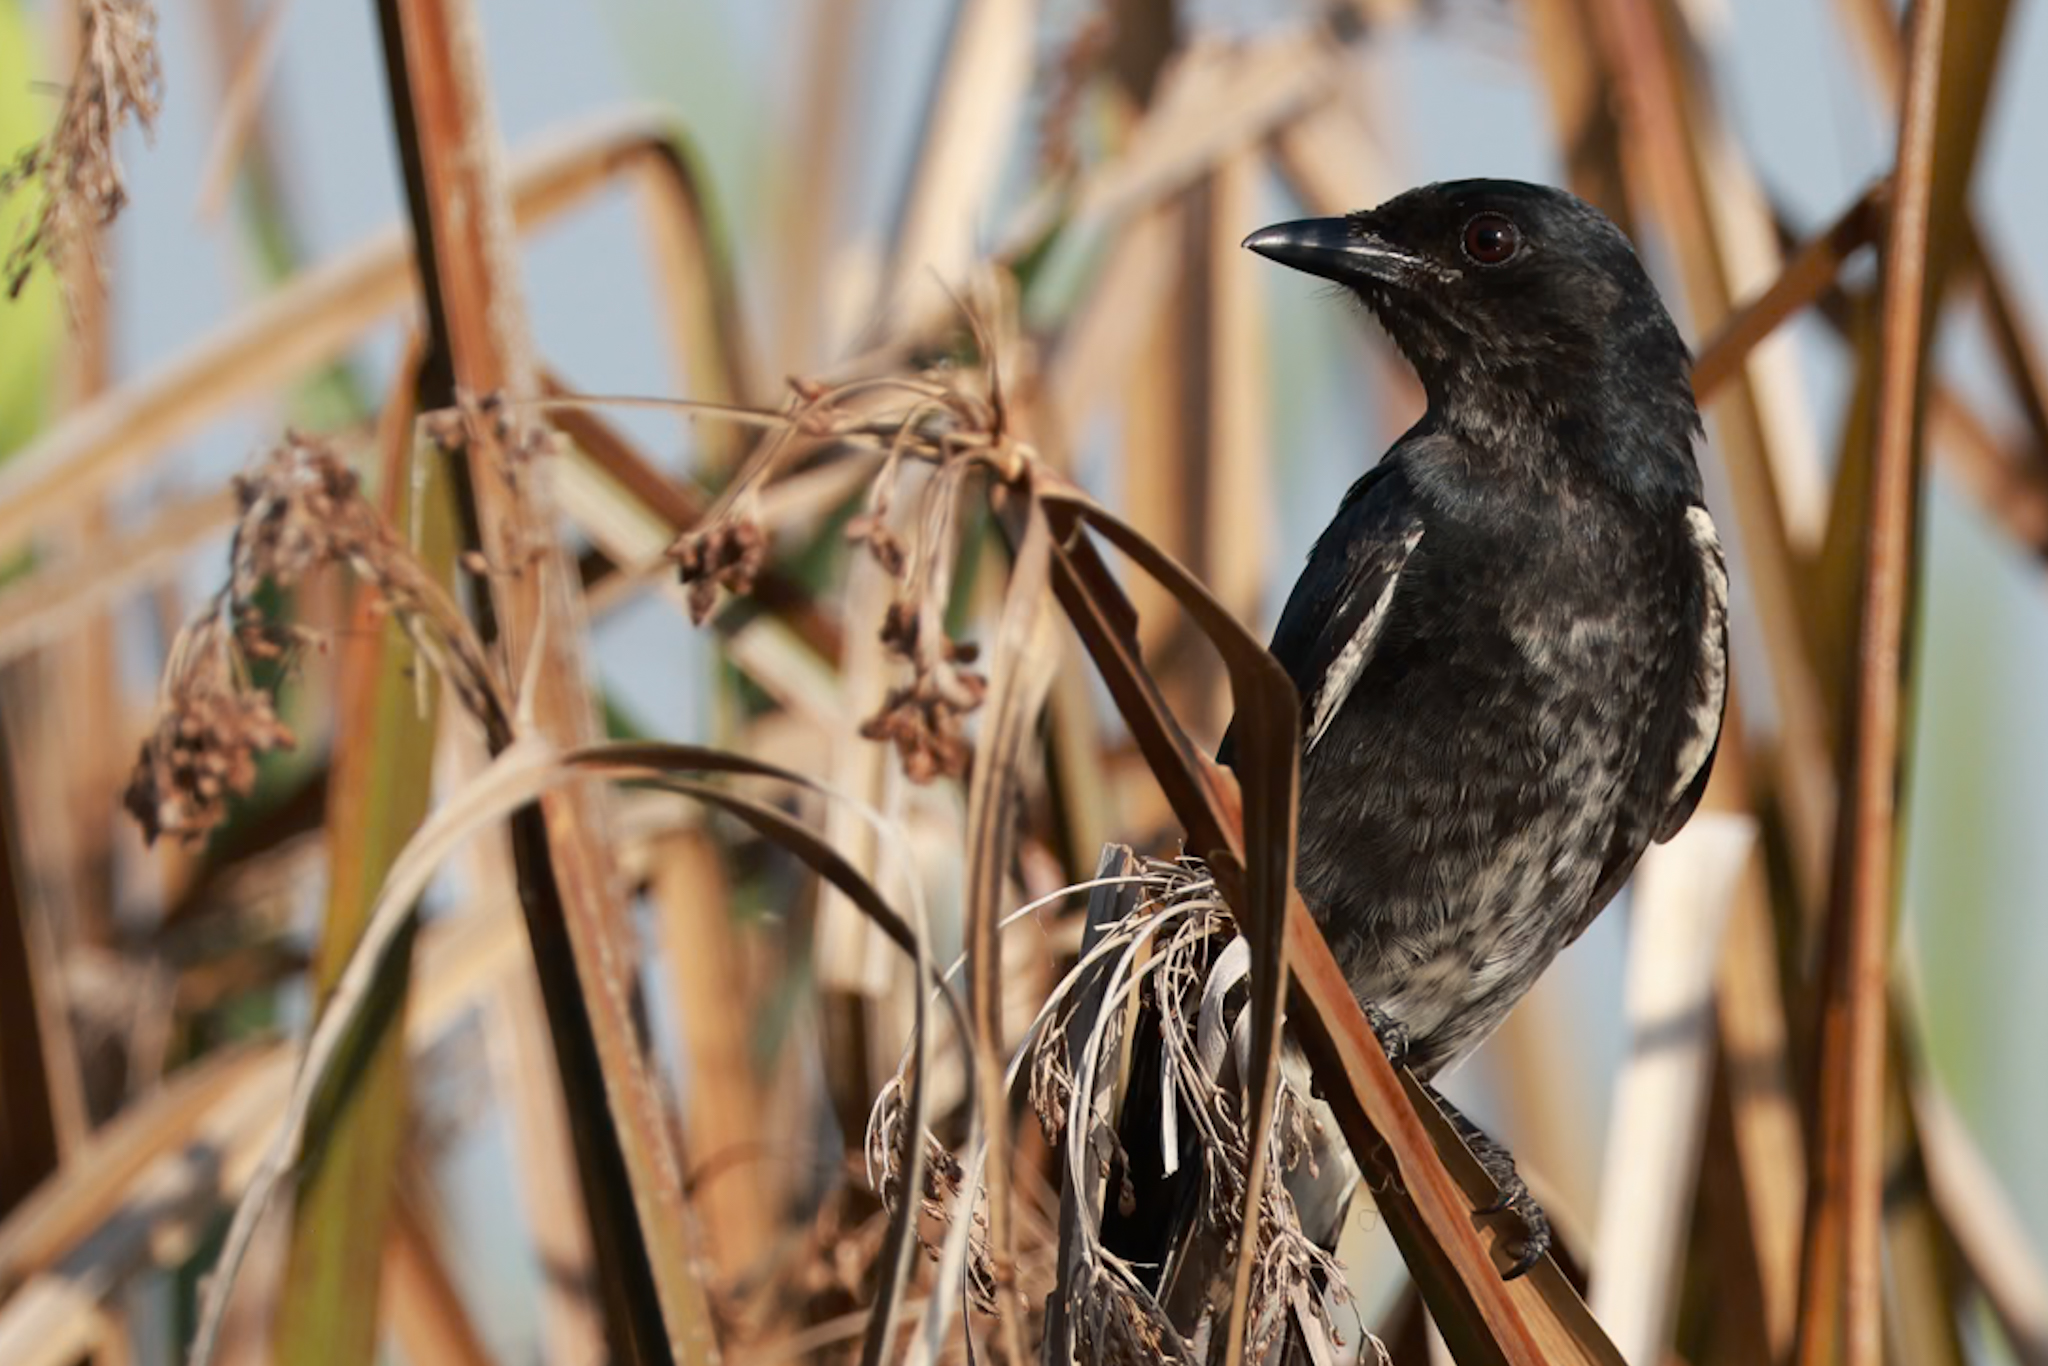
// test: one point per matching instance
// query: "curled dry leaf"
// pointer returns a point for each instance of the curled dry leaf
(1190, 981)
(118, 78)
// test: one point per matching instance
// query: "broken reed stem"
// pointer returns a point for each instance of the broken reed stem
(1888, 582)
(584, 948)
(1849, 1191)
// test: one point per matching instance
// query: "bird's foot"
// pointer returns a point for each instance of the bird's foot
(1511, 1191)
(1392, 1034)
(1514, 1198)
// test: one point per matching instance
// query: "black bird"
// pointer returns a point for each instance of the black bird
(1511, 643)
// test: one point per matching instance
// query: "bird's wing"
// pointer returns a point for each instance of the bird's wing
(1341, 602)
(1707, 688)
(1339, 607)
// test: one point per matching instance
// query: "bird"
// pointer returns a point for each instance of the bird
(1510, 644)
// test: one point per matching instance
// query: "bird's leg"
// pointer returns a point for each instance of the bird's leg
(1392, 1034)
(1514, 1197)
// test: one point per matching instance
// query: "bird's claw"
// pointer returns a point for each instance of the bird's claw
(1392, 1034)
(1513, 1198)
(1535, 1235)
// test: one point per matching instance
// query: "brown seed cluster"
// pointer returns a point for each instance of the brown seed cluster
(924, 718)
(725, 554)
(118, 78)
(933, 422)
(202, 751)
(301, 508)
(298, 508)
(513, 442)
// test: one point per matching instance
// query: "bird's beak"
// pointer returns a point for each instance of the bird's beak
(1336, 249)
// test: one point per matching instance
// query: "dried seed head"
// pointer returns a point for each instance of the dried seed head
(1186, 925)
(301, 508)
(902, 623)
(118, 78)
(203, 749)
(925, 726)
(936, 419)
(728, 554)
(924, 718)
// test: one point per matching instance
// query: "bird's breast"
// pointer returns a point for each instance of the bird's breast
(1461, 805)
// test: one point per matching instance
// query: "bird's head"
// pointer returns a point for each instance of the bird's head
(1513, 301)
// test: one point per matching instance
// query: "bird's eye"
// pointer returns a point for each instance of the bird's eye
(1491, 239)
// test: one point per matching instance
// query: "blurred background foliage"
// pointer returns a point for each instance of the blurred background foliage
(1223, 407)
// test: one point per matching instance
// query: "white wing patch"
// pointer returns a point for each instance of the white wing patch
(1711, 682)
(1350, 661)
